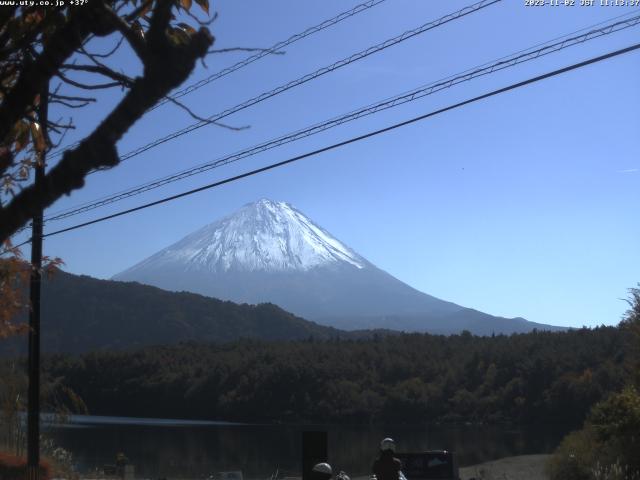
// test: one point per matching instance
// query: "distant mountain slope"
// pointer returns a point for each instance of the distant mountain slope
(271, 252)
(81, 313)
(476, 322)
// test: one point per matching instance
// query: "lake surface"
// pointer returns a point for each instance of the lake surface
(171, 448)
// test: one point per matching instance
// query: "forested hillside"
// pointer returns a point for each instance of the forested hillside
(539, 377)
(81, 314)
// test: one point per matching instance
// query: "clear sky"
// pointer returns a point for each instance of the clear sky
(525, 204)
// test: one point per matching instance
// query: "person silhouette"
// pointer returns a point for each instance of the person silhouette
(386, 466)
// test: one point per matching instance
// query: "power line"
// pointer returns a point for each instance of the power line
(255, 57)
(485, 69)
(374, 108)
(312, 76)
(354, 139)
(275, 48)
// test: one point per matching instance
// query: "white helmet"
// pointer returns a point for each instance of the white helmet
(388, 444)
(322, 468)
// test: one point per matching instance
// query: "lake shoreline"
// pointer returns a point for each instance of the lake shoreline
(175, 449)
(100, 419)
(522, 467)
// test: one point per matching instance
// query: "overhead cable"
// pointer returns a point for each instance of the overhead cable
(272, 166)
(255, 57)
(415, 94)
(312, 76)
(273, 49)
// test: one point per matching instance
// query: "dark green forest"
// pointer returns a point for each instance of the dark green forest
(81, 314)
(539, 377)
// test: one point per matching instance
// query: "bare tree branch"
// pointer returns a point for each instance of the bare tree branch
(93, 58)
(52, 124)
(84, 86)
(166, 66)
(141, 10)
(246, 49)
(101, 70)
(202, 119)
(57, 96)
(62, 43)
(59, 142)
(103, 55)
(69, 105)
(135, 41)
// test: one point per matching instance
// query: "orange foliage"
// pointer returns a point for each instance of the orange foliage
(15, 468)
(14, 274)
(14, 277)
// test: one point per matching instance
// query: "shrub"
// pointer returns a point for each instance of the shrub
(573, 459)
(607, 448)
(616, 422)
(15, 468)
(614, 472)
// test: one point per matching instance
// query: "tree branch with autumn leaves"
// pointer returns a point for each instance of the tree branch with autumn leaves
(40, 45)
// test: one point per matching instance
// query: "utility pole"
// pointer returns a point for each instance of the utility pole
(33, 406)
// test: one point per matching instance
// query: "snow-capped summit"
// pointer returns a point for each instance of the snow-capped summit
(263, 236)
(271, 252)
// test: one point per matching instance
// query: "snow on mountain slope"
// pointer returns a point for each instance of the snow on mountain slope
(264, 236)
(270, 252)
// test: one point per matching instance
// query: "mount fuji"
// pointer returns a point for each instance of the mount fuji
(271, 252)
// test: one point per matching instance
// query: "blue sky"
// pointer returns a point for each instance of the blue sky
(524, 204)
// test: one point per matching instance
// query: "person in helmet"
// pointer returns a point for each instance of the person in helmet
(321, 471)
(386, 466)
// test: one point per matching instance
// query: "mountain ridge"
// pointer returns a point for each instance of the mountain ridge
(269, 251)
(282, 239)
(82, 313)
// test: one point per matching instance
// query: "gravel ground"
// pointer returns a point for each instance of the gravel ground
(524, 467)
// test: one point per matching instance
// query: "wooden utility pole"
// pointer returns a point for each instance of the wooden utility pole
(33, 406)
